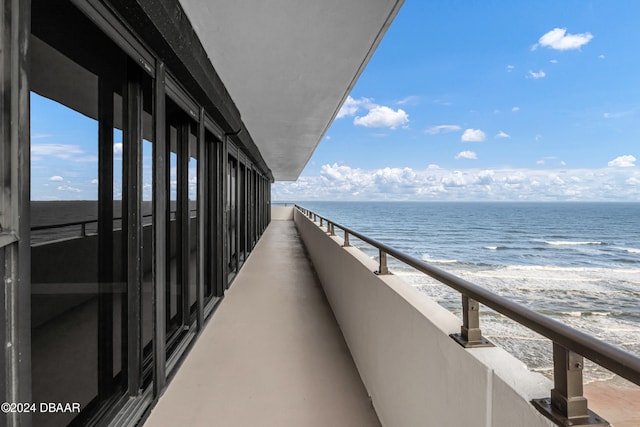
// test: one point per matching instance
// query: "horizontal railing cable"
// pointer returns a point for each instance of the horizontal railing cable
(87, 221)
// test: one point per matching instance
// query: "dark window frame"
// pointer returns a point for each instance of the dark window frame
(14, 251)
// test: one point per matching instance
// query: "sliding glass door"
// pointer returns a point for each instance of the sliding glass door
(182, 224)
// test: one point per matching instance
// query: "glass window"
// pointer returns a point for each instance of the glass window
(79, 188)
(193, 217)
(232, 252)
(212, 281)
(182, 234)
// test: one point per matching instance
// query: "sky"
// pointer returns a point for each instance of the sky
(64, 157)
(489, 100)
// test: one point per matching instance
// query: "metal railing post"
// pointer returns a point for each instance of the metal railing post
(470, 334)
(346, 239)
(83, 229)
(383, 269)
(567, 405)
(332, 229)
(567, 378)
(320, 221)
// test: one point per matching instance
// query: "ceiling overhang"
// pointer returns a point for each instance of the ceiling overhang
(289, 65)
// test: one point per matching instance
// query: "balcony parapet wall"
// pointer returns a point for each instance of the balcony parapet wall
(282, 213)
(399, 339)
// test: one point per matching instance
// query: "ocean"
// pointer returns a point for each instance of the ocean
(578, 263)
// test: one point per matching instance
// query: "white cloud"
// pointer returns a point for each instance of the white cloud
(94, 181)
(411, 99)
(442, 129)
(554, 61)
(117, 148)
(69, 152)
(473, 135)
(351, 106)
(341, 182)
(618, 114)
(40, 135)
(558, 39)
(377, 116)
(515, 109)
(539, 75)
(510, 68)
(381, 116)
(62, 151)
(69, 188)
(633, 180)
(502, 134)
(601, 56)
(466, 155)
(626, 161)
(56, 178)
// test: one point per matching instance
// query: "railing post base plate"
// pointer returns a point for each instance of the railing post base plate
(471, 344)
(549, 411)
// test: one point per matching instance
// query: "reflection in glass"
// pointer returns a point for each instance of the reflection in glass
(78, 261)
(182, 235)
(174, 285)
(64, 301)
(193, 219)
(147, 255)
(232, 215)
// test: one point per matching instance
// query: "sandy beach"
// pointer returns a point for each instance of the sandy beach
(617, 401)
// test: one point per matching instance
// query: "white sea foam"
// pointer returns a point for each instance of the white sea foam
(580, 297)
(441, 261)
(491, 248)
(632, 250)
(570, 243)
(552, 272)
(427, 258)
(572, 313)
(399, 271)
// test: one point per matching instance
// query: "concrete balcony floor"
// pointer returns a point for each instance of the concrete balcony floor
(272, 354)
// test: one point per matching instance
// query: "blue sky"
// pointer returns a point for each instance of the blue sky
(487, 100)
(64, 157)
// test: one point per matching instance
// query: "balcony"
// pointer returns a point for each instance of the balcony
(274, 355)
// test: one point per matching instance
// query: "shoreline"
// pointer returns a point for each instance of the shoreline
(616, 400)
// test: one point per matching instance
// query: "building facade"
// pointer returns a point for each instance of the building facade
(139, 142)
(131, 197)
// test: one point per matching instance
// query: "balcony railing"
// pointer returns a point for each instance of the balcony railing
(566, 405)
(82, 232)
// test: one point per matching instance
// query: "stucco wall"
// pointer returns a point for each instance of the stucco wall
(415, 373)
(281, 213)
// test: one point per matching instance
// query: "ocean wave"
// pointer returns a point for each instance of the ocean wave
(558, 268)
(569, 243)
(440, 261)
(499, 248)
(584, 313)
(632, 250)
